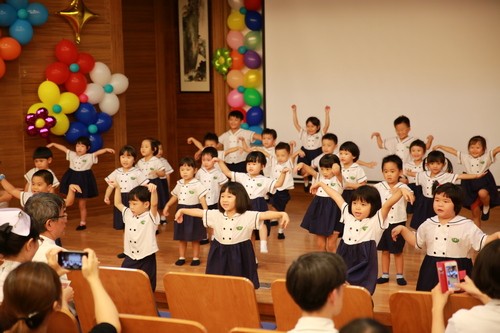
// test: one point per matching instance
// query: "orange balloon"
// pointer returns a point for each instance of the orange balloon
(2, 68)
(10, 48)
(238, 62)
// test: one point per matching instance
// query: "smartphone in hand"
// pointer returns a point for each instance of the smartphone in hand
(71, 260)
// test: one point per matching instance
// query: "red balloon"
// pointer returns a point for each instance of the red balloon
(76, 83)
(66, 51)
(2, 68)
(253, 4)
(86, 62)
(57, 72)
(10, 48)
(238, 62)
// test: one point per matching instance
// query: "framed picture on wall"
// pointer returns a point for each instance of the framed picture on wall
(194, 46)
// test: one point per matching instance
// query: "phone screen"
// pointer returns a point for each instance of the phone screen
(71, 260)
(452, 275)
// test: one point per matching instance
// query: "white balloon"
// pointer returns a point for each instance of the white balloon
(94, 92)
(119, 83)
(100, 74)
(110, 104)
(235, 4)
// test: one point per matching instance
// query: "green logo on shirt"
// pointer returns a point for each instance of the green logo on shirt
(259, 184)
(352, 178)
(143, 222)
(364, 228)
(455, 240)
(191, 192)
(133, 178)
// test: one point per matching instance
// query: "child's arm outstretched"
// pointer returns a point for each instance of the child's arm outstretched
(195, 212)
(428, 144)
(9, 188)
(336, 196)
(380, 142)
(307, 168)
(295, 119)
(496, 151)
(223, 167)
(407, 234)
(327, 119)
(281, 178)
(58, 146)
(195, 142)
(449, 150)
(70, 198)
(104, 151)
(470, 175)
(173, 199)
(273, 215)
(397, 193)
(370, 165)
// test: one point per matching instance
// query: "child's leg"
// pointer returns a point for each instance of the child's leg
(484, 197)
(196, 254)
(331, 242)
(321, 243)
(475, 209)
(182, 253)
(398, 259)
(386, 258)
(263, 238)
(82, 206)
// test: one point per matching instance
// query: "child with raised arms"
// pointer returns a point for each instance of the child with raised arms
(445, 236)
(322, 216)
(365, 220)
(209, 140)
(392, 169)
(189, 192)
(80, 173)
(231, 251)
(484, 190)
(310, 138)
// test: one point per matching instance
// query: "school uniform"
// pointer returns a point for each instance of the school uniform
(24, 196)
(80, 173)
(166, 185)
(358, 247)
(315, 161)
(450, 241)
(127, 180)
(188, 196)
(352, 174)
(28, 175)
(396, 216)
(236, 161)
(417, 189)
(267, 171)
(5, 268)
(323, 215)
(139, 244)
(280, 198)
(399, 147)
(314, 324)
(480, 318)
(231, 252)
(212, 180)
(477, 166)
(148, 168)
(311, 146)
(423, 209)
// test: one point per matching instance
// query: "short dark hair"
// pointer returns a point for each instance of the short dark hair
(452, 191)
(330, 136)
(438, 156)
(189, 161)
(368, 194)
(313, 276)
(402, 120)
(155, 145)
(256, 157)
(236, 114)
(418, 143)
(42, 152)
(477, 139)
(46, 175)
(283, 146)
(243, 202)
(83, 140)
(129, 150)
(352, 148)
(315, 121)
(485, 273)
(328, 160)
(140, 193)
(42, 207)
(367, 325)
(271, 132)
(209, 151)
(210, 137)
(393, 159)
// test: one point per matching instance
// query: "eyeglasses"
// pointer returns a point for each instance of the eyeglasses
(63, 216)
(40, 240)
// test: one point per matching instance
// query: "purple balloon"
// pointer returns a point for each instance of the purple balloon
(254, 116)
(32, 130)
(252, 59)
(44, 132)
(42, 113)
(50, 122)
(30, 118)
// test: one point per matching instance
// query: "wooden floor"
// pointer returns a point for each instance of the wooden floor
(107, 242)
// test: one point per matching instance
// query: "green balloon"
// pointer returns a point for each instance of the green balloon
(222, 61)
(253, 40)
(252, 97)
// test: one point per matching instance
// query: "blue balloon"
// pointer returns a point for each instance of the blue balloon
(253, 20)
(254, 116)
(8, 15)
(86, 114)
(18, 4)
(76, 130)
(38, 14)
(95, 142)
(22, 31)
(244, 126)
(104, 122)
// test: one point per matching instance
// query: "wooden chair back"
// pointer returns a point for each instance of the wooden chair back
(411, 310)
(141, 324)
(217, 302)
(129, 289)
(357, 303)
(252, 330)
(60, 321)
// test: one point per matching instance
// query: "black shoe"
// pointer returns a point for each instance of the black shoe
(157, 232)
(195, 262)
(382, 280)
(204, 241)
(180, 262)
(163, 222)
(281, 236)
(81, 227)
(401, 281)
(121, 255)
(485, 217)
(306, 188)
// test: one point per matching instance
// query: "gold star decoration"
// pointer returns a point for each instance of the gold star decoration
(77, 15)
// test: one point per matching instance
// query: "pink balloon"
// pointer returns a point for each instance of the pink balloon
(50, 122)
(41, 113)
(30, 118)
(44, 132)
(234, 39)
(83, 98)
(32, 130)
(235, 99)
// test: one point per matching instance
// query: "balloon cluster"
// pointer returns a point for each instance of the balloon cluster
(241, 66)
(10, 49)
(70, 72)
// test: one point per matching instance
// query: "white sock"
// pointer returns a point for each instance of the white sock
(280, 230)
(263, 246)
(306, 181)
(486, 209)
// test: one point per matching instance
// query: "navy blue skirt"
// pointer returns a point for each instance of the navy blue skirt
(309, 155)
(235, 260)
(162, 191)
(422, 211)
(279, 200)
(428, 276)
(321, 216)
(362, 263)
(417, 192)
(84, 179)
(191, 229)
(471, 188)
(117, 215)
(387, 244)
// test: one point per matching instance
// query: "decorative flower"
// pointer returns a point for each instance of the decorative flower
(39, 123)
(222, 61)
(20, 17)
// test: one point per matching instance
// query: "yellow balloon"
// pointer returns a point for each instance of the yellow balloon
(39, 123)
(69, 102)
(49, 93)
(37, 106)
(62, 124)
(236, 21)
(253, 79)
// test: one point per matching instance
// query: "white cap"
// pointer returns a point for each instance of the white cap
(19, 220)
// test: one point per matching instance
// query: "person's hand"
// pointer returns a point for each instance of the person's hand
(396, 231)
(179, 216)
(285, 170)
(165, 211)
(90, 265)
(67, 293)
(107, 201)
(436, 147)
(151, 187)
(294, 107)
(375, 135)
(114, 184)
(75, 188)
(439, 299)
(301, 153)
(52, 261)
(336, 169)
(190, 140)
(284, 220)
(408, 195)
(298, 167)
(197, 155)
(292, 143)
(50, 145)
(470, 288)
(314, 188)
(327, 108)
(371, 164)
(430, 137)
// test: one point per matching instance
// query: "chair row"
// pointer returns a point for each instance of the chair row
(221, 303)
